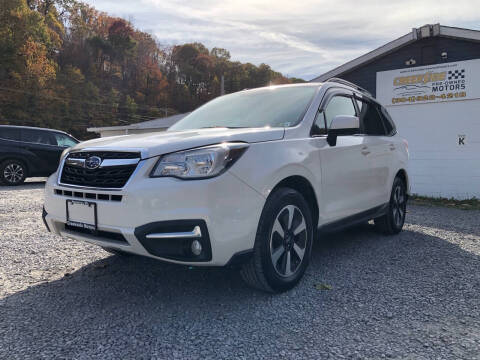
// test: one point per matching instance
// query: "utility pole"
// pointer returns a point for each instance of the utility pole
(222, 85)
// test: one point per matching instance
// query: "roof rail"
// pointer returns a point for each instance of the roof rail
(348, 83)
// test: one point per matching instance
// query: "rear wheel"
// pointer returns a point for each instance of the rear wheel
(13, 172)
(392, 222)
(283, 243)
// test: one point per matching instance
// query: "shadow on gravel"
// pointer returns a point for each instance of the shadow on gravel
(30, 185)
(395, 289)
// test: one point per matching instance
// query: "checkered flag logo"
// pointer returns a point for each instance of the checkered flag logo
(456, 74)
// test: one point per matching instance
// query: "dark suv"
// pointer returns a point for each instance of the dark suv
(29, 151)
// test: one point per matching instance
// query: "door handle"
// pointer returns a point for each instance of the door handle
(365, 150)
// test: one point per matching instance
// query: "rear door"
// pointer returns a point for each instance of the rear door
(345, 171)
(377, 150)
(44, 147)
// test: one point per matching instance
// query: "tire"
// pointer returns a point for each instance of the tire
(12, 172)
(392, 222)
(117, 252)
(290, 253)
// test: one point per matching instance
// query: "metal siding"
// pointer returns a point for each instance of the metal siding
(458, 50)
(439, 166)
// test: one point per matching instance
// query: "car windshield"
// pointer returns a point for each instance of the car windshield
(272, 106)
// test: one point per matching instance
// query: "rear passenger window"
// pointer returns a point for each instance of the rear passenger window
(38, 137)
(387, 121)
(370, 121)
(9, 133)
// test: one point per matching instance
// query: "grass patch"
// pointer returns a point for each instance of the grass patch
(467, 204)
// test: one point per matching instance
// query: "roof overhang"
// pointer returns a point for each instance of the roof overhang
(416, 34)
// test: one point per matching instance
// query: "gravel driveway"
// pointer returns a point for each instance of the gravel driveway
(411, 296)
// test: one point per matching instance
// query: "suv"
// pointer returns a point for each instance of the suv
(29, 151)
(246, 180)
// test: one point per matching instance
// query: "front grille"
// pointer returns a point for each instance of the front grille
(103, 177)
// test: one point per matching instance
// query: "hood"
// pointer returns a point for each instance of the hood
(154, 144)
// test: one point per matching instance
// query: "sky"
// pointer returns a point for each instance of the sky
(298, 38)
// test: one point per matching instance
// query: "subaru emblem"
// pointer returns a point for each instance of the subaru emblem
(93, 162)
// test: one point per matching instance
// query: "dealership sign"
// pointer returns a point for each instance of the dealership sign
(430, 84)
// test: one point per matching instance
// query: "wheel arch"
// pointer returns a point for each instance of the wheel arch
(16, 158)
(304, 187)
(402, 173)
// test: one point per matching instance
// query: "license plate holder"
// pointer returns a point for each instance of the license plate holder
(81, 214)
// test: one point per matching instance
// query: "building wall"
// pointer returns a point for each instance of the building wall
(440, 165)
(443, 132)
(421, 50)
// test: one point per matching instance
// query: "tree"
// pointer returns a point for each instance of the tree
(65, 65)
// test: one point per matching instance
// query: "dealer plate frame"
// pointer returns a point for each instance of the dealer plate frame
(78, 224)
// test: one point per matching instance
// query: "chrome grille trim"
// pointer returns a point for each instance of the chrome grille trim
(105, 163)
(139, 166)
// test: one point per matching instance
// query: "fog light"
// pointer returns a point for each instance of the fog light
(196, 247)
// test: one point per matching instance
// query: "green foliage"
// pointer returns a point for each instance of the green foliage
(65, 65)
(466, 204)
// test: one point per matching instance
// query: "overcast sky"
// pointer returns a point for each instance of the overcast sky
(298, 38)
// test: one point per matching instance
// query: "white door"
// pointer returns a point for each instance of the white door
(345, 169)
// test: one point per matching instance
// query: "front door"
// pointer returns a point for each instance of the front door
(345, 168)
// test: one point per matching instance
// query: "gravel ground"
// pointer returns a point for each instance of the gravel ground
(411, 296)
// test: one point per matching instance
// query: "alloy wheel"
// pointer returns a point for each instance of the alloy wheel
(399, 205)
(288, 241)
(13, 173)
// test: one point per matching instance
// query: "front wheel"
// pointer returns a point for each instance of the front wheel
(12, 172)
(283, 243)
(392, 222)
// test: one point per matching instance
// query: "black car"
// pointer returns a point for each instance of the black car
(29, 151)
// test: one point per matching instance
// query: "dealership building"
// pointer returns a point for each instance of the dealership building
(429, 81)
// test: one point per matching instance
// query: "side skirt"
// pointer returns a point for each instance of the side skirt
(355, 219)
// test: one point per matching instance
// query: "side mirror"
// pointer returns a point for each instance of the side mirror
(342, 125)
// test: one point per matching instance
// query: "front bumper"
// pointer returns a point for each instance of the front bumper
(228, 209)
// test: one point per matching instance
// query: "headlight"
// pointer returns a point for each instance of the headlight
(204, 162)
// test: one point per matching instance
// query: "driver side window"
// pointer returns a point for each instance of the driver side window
(338, 105)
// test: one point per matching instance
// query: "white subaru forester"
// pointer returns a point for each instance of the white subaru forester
(245, 180)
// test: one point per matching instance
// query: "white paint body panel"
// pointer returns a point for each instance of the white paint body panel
(344, 180)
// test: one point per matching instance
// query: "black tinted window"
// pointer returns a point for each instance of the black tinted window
(338, 105)
(387, 121)
(370, 121)
(38, 137)
(10, 133)
(319, 125)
